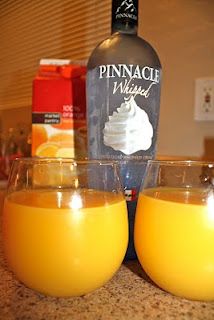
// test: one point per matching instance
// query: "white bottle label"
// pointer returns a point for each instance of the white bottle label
(128, 128)
(123, 111)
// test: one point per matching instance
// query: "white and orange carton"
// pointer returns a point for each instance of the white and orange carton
(59, 110)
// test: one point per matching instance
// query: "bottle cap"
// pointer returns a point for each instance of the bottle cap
(125, 11)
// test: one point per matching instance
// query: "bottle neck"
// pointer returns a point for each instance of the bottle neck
(124, 28)
(125, 16)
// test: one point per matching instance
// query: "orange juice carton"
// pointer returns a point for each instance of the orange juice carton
(59, 110)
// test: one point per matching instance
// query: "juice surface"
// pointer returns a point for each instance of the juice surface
(65, 243)
(174, 239)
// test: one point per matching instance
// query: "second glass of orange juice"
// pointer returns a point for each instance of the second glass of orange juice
(174, 227)
(65, 226)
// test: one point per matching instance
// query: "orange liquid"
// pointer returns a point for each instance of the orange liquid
(174, 240)
(58, 248)
(2, 195)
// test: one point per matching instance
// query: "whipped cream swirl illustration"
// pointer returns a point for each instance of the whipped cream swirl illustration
(128, 129)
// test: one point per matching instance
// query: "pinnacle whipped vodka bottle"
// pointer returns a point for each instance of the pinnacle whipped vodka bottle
(123, 99)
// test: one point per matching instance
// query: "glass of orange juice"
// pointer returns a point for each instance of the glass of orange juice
(174, 227)
(65, 226)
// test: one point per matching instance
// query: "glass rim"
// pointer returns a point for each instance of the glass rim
(183, 162)
(59, 160)
(79, 160)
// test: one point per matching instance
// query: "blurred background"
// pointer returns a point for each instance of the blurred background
(180, 30)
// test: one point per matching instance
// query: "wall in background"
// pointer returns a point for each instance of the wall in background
(182, 31)
(10, 118)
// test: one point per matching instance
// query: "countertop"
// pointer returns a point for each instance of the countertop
(128, 296)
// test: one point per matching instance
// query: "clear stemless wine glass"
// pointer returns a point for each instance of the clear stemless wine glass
(65, 225)
(174, 227)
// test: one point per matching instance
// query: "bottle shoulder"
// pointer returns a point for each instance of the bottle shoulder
(124, 48)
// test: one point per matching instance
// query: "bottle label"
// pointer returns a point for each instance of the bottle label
(123, 111)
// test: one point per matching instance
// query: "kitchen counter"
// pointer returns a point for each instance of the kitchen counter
(128, 296)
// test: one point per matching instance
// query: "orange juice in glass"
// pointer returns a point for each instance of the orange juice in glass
(174, 227)
(3, 186)
(65, 225)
